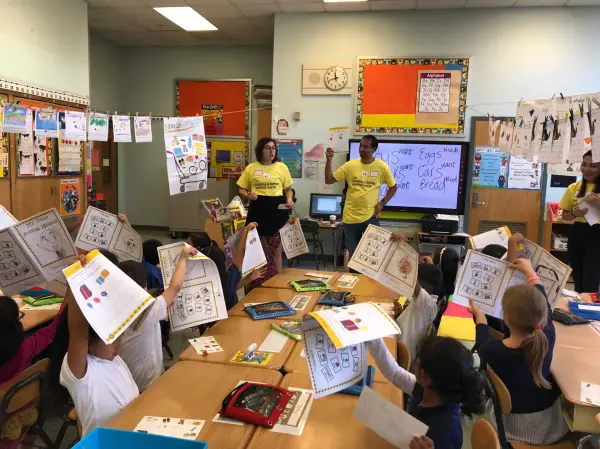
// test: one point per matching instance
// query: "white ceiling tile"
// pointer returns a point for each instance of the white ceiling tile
(265, 22)
(583, 3)
(218, 12)
(179, 37)
(299, 1)
(224, 3)
(115, 3)
(386, 5)
(258, 10)
(241, 24)
(441, 4)
(245, 2)
(254, 41)
(352, 6)
(301, 7)
(490, 3)
(541, 2)
(219, 41)
(165, 3)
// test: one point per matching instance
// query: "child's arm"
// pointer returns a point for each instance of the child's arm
(389, 367)
(254, 276)
(124, 219)
(482, 330)
(513, 246)
(524, 266)
(78, 339)
(35, 344)
(171, 291)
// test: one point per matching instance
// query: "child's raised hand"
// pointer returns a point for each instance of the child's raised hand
(188, 251)
(123, 218)
(473, 308)
(251, 226)
(516, 237)
(421, 442)
(427, 260)
(523, 265)
(258, 274)
(397, 236)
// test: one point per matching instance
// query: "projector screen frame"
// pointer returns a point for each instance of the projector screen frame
(462, 176)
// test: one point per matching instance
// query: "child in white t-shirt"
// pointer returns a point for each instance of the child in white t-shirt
(141, 344)
(97, 378)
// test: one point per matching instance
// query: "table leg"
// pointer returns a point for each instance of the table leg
(335, 251)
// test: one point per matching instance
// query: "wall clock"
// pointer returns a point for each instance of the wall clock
(327, 79)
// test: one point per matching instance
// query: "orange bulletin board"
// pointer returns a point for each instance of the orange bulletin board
(227, 158)
(411, 96)
(225, 105)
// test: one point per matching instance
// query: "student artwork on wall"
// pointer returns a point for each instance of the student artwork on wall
(75, 125)
(17, 119)
(290, 152)
(228, 158)
(109, 299)
(46, 123)
(411, 96)
(98, 127)
(33, 251)
(121, 128)
(104, 230)
(201, 299)
(70, 196)
(224, 104)
(142, 127)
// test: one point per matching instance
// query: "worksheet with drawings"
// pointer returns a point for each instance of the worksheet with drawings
(331, 369)
(293, 240)
(17, 269)
(109, 299)
(48, 242)
(201, 298)
(371, 251)
(127, 244)
(6, 218)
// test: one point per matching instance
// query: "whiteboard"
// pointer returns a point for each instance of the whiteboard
(430, 175)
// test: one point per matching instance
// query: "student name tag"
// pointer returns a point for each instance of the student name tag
(374, 173)
(365, 173)
(258, 172)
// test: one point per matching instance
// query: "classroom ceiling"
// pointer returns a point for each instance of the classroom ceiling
(248, 22)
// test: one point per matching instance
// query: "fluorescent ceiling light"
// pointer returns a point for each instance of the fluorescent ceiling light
(187, 18)
(343, 1)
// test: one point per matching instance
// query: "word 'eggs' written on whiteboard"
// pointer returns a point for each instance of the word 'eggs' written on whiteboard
(426, 175)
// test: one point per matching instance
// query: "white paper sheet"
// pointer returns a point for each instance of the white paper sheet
(339, 138)
(6, 218)
(69, 155)
(311, 170)
(254, 257)
(17, 119)
(109, 299)
(188, 429)
(98, 127)
(46, 123)
(208, 344)
(121, 128)
(393, 264)
(104, 230)
(18, 271)
(25, 152)
(299, 302)
(186, 151)
(498, 236)
(590, 394)
(46, 307)
(293, 240)
(347, 281)
(295, 414)
(142, 127)
(593, 214)
(274, 342)
(387, 420)
(524, 174)
(201, 299)
(75, 126)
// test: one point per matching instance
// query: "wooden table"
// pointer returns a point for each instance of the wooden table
(282, 279)
(361, 299)
(331, 423)
(236, 334)
(297, 363)
(35, 318)
(578, 336)
(195, 391)
(367, 287)
(274, 294)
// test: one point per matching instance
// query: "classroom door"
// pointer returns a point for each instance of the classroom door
(491, 208)
(104, 173)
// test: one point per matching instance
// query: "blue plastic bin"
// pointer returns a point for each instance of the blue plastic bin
(115, 439)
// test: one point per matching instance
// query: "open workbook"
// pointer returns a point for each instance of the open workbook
(34, 251)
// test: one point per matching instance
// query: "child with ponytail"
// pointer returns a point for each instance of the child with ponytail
(443, 385)
(522, 361)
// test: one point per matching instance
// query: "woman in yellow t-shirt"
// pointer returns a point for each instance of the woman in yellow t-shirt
(584, 239)
(267, 184)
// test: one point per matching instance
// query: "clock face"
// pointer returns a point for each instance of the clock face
(336, 78)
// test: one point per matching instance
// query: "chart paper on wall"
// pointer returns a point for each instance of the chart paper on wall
(293, 240)
(393, 264)
(104, 230)
(201, 299)
(108, 298)
(254, 256)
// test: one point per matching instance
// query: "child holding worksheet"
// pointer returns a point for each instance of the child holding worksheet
(141, 346)
(522, 361)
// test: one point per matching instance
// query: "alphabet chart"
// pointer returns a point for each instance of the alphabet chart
(201, 299)
(292, 238)
(393, 264)
(434, 91)
(34, 251)
(108, 298)
(331, 369)
(6, 218)
(552, 272)
(104, 230)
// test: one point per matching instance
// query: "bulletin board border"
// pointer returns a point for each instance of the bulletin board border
(247, 97)
(362, 62)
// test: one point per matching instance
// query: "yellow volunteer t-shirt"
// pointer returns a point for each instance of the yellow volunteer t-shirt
(570, 200)
(364, 182)
(266, 180)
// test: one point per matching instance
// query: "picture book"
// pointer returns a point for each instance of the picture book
(33, 251)
(484, 279)
(201, 299)
(215, 209)
(104, 230)
(254, 257)
(236, 209)
(108, 298)
(393, 264)
(292, 239)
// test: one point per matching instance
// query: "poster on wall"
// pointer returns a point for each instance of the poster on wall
(290, 152)
(185, 146)
(490, 168)
(227, 159)
(3, 142)
(224, 105)
(70, 197)
(524, 174)
(396, 96)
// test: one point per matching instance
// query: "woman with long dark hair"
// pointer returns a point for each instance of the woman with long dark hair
(584, 239)
(267, 184)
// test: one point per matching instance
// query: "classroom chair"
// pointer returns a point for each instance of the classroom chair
(502, 406)
(442, 305)
(311, 228)
(69, 420)
(30, 387)
(483, 435)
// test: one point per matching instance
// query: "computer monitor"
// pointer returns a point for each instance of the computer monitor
(322, 205)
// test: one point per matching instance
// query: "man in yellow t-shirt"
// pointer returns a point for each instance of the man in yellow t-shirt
(365, 176)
